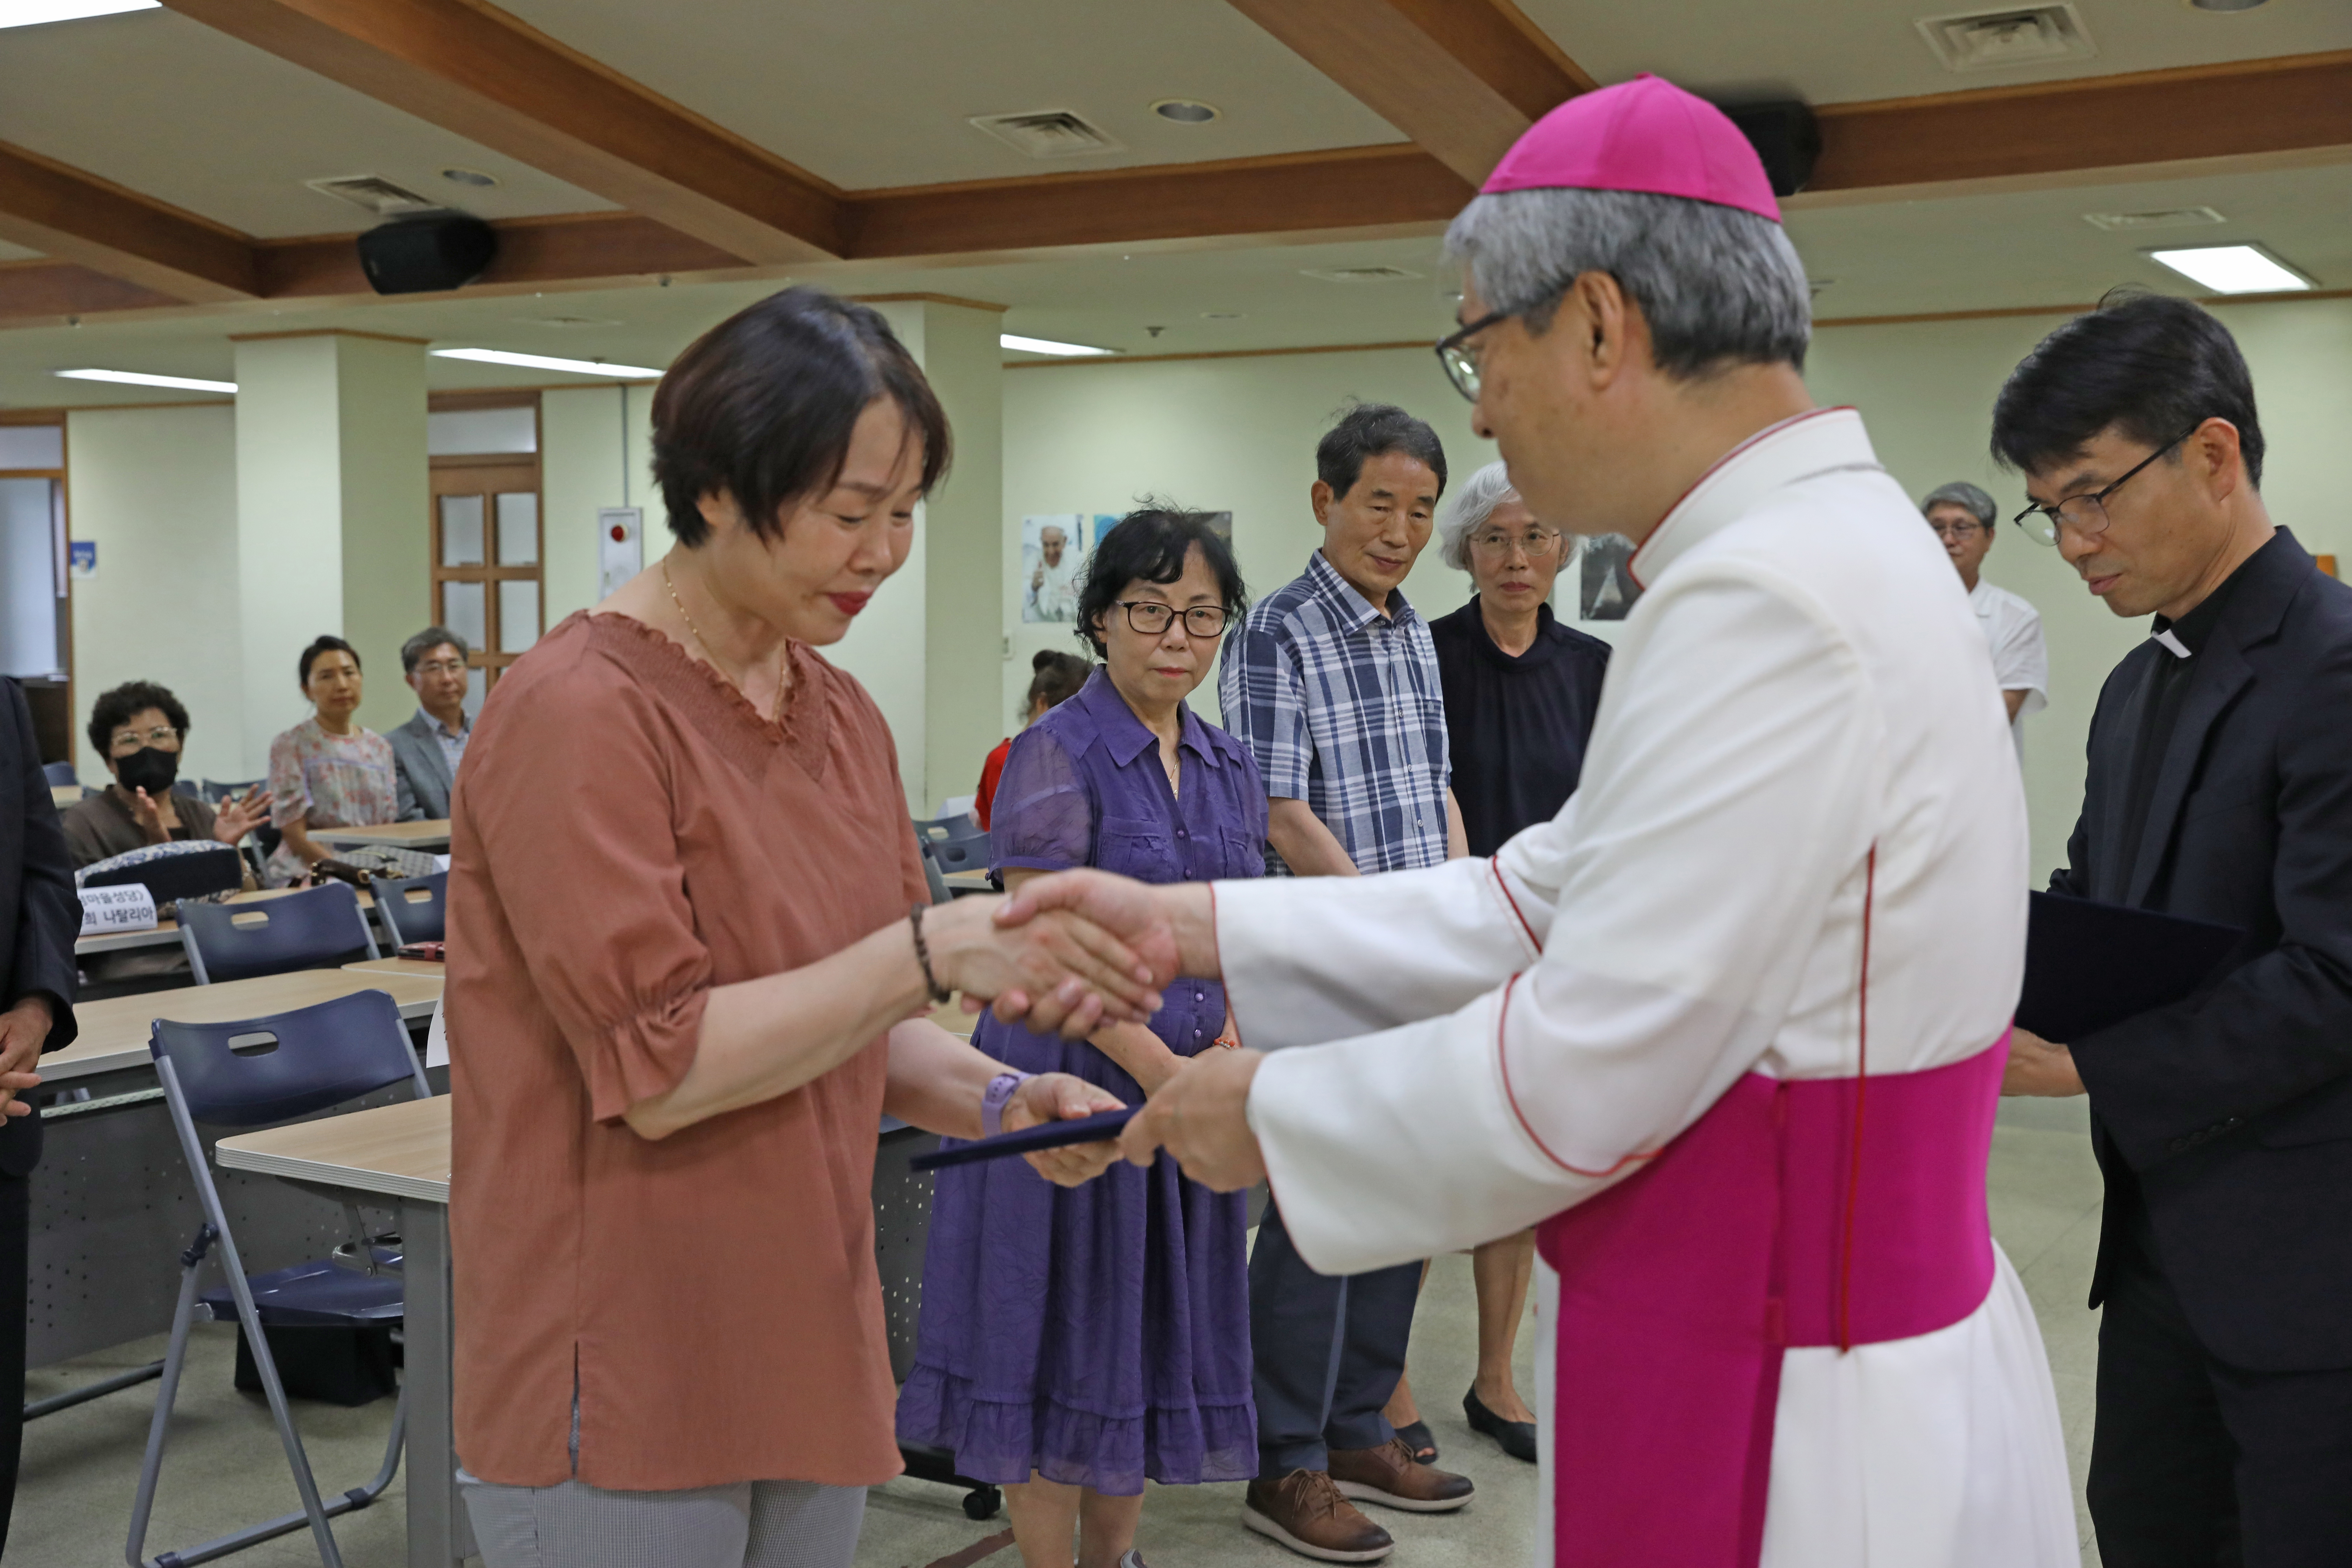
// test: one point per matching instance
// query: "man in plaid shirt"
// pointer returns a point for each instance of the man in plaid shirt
(1332, 683)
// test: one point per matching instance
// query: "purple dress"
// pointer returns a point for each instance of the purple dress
(1099, 1335)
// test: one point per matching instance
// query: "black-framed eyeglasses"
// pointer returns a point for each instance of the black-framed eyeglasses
(1461, 363)
(1151, 617)
(2087, 514)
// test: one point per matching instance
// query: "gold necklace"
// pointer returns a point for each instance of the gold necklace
(783, 649)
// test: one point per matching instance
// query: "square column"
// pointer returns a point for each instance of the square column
(333, 532)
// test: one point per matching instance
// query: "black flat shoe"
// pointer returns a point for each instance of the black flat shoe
(1518, 1438)
(1421, 1440)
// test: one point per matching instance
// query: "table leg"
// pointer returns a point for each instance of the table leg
(439, 1533)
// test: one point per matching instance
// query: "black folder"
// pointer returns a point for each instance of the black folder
(1029, 1140)
(2089, 966)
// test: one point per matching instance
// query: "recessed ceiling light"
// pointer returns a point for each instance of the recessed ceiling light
(1187, 110)
(2234, 269)
(1047, 346)
(548, 361)
(2226, 6)
(470, 177)
(1223, 315)
(33, 13)
(135, 378)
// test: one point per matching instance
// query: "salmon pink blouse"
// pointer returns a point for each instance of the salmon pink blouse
(631, 833)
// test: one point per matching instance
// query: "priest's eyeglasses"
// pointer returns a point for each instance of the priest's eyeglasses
(2086, 514)
(1151, 617)
(1537, 543)
(1460, 360)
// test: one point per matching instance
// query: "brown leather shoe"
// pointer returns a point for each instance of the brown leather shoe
(1306, 1512)
(1392, 1477)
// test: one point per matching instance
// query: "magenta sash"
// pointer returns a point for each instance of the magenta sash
(1680, 1288)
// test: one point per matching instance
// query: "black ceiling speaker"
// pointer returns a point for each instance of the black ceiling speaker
(428, 254)
(1787, 137)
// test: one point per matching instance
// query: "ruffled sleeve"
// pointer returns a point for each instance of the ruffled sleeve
(1044, 819)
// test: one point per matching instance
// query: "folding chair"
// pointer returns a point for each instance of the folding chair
(58, 774)
(957, 843)
(413, 910)
(251, 1074)
(312, 930)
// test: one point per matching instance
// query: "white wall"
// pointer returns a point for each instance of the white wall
(1236, 434)
(156, 490)
(585, 464)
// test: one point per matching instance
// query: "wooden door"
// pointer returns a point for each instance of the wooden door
(487, 547)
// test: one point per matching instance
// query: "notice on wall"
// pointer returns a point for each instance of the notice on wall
(82, 557)
(106, 911)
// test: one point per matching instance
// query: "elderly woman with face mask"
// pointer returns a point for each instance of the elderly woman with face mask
(1520, 694)
(138, 728)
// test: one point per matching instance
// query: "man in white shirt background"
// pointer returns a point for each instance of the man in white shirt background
(1963, 517)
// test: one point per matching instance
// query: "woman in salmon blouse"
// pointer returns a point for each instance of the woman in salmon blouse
(684, 987)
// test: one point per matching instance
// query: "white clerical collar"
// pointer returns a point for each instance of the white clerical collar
(1814, 442)
(2179, 650)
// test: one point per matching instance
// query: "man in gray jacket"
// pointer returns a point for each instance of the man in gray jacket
(425, 750)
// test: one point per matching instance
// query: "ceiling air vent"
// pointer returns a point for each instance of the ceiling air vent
(1049, 134)
(2026, 36)
(1360, 274)
(2161, 218)
(375, 194)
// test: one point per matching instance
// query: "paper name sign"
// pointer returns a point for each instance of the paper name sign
(127, 908)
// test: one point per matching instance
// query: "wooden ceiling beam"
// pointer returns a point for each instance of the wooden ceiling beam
(1463, 78)
(2071, 131)
(71, 216)
(471, 69)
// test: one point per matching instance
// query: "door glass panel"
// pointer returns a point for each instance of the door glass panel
(518, 527)
(476, 689)
(518, 616)
(462, 612)
(461, 531)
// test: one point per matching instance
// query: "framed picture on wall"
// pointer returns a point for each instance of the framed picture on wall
(1054, 549)
(1606, 589)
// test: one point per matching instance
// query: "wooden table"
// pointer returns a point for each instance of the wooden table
(967, 881)
(64, 795)
(432, 837)
(399, 1151)
(417, 968)
(114, 1032)
(167, 932)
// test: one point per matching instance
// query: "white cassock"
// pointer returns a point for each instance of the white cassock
(1796, 745)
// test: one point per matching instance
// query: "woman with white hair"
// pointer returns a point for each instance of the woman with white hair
(1520, 694)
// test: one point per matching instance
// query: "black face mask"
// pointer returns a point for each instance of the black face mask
(148, 768)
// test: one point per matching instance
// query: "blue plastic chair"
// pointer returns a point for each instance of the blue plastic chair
(216, 792)
(252, 1074)
(58, 774)
(301, 930)
(957, 843)
(413, 910)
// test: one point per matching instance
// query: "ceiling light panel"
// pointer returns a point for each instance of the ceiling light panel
(1048, 346)
(549, 361)
(34, 13)
(2158, 218)
(2234, 269)
(137, 378)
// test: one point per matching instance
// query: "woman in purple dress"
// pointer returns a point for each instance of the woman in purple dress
(1076, 1341)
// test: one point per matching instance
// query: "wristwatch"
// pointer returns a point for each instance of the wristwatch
(999, 1093)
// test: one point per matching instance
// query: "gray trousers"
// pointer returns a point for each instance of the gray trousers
(751, 1524)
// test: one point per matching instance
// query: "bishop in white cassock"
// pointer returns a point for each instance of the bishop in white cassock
(1730, 1028)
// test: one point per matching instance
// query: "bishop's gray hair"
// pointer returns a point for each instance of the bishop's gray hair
(1467, 512)
(1718, 286)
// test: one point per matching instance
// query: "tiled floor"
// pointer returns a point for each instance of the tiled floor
(80, 1466)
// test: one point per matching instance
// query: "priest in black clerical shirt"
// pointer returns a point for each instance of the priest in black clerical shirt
(2219, 788)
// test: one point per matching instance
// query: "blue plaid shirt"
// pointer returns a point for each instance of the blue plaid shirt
(1343, 709)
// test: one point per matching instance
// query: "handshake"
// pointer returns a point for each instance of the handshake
(1074, 952)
